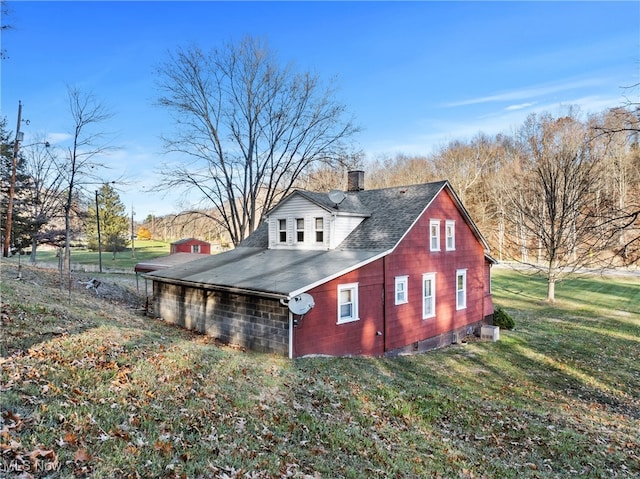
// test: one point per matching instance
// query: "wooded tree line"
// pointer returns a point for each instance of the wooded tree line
(558, 187)
(559, 194)
(559, 171)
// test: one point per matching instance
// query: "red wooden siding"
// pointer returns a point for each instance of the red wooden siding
(404, 323)
(319, 333)
(185, 246)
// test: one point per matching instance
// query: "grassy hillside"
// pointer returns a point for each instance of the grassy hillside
(124, 260)
(91, 390)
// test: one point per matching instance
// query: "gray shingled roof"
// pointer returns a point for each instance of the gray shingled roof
(391, 212)
(252, 267)
(394, 210)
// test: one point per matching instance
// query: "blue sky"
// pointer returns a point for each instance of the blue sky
(415, 75)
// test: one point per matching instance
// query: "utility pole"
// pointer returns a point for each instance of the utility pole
(12, 186)
(99, 239)
(133, 248)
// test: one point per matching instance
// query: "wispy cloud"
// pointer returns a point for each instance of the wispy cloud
(529, 92)
(55, 138)
(519, 106)
(439, 132)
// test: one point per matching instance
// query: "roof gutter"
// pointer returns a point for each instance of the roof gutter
(217, 287)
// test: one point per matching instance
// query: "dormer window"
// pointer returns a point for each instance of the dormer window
(300, 230)
(303, 221)
(282, 231)
(319, 230)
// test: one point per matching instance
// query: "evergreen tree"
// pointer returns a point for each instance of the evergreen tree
(114, 224)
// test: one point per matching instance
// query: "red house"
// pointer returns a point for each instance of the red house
(190, 245)
(378, 272)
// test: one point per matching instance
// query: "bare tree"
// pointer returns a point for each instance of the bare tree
(399, 170)
(463, 163)
(43, 190)
(81, 163)
(249, 128)
(5, 25)
(618, 131)
(556, 203)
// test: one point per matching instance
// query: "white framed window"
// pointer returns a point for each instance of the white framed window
(319, 230)
(300, 230)
(461, 289)
(450, 235)
(434, 235)
(402, 283)
(428, 295)
(195, 248)
(282, 231)
(347, 303)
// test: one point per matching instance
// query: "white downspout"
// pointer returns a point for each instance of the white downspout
(290, 335)
(285, 302)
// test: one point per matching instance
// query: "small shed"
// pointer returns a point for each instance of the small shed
(190, 245)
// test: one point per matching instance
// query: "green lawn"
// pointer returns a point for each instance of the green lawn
(124, 260)
(103, 393)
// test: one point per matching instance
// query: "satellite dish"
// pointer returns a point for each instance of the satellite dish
(336, 196)
(301, 304)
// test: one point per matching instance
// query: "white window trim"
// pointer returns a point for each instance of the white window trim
(463, 273)
(298, 230)
(402, 280)
(282, 231)
(452, 224)
(354, 301)
(432, 277)
(433, 223)
(318, 230)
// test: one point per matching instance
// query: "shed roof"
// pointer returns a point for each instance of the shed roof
(189, 240)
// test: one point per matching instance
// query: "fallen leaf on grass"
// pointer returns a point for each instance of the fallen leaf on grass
(81, 455)
(163, 447)
(44, 453)
(69, 439)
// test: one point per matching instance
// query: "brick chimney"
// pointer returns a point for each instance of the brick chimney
(355, 180)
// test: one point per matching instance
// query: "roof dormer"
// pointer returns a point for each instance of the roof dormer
(312, 221)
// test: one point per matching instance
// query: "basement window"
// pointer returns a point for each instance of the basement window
(347, 303)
